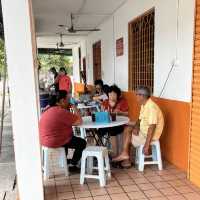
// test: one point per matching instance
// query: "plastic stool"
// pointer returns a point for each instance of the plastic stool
(156, 156)
(83, 133)
(62, 160)
(101, 153)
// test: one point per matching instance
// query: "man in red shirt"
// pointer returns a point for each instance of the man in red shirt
(55, 126)
(64, 81)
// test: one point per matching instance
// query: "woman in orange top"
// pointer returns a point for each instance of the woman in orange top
(115, 104)
(64, 81)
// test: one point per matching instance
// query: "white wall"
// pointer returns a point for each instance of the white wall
(167, 48)
(107, 53)
(76, 74)
(83, 51)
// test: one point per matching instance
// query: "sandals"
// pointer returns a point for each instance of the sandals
(126, 164)
(122, 164)
(120, 158)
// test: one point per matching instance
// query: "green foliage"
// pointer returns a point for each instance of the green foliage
(52, 60)
(2, 57)
(46, 60)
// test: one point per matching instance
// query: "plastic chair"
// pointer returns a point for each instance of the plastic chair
(155, 156)
(62, 160)
(103, 166)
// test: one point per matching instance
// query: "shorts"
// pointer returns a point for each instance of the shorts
(112, 131)
(138, 140)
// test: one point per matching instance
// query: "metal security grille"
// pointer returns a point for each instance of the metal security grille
(141, 51)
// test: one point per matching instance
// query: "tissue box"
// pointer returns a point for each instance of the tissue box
(102, 117)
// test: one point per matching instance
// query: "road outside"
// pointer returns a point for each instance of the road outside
(7, 160)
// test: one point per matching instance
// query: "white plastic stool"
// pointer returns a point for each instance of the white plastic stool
(83, 133)
(62, 160)
(101, 153)
(156, 156)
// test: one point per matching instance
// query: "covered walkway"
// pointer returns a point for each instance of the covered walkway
(124, 42)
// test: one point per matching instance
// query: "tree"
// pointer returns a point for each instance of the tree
(2, 58)
(53, 60)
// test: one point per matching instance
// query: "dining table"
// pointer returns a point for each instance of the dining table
(92, 125)
(87, 106)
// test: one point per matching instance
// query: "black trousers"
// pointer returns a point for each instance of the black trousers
(79, 145)
(112, 131)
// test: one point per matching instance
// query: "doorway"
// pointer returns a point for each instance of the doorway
(97, 60)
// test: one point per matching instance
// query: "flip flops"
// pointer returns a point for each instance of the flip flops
(122, 164)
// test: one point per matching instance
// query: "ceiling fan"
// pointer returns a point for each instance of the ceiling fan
(61, 44)
(72, 29)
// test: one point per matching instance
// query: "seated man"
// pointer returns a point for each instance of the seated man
(148, 127)
(55, 126)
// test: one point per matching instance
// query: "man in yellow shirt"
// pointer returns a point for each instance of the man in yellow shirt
(148, 127)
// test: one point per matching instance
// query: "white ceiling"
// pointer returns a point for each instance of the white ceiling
(50, 41)
(88, 14)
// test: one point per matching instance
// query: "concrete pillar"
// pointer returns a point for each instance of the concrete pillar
(76, 72)
(21, 60)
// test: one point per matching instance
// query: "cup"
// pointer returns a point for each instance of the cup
(72, 101)
(93, 117)
(113, 116)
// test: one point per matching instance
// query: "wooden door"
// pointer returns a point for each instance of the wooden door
(79, 57)
(84, 71)
(97, 60)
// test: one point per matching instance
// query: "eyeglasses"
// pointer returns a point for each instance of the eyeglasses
(139, 94)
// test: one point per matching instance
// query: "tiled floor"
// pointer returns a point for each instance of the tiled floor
(169, 184)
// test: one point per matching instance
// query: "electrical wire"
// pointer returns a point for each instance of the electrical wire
(170, 71)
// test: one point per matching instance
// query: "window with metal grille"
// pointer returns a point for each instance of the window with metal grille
(141, 51)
